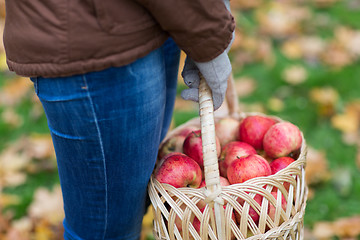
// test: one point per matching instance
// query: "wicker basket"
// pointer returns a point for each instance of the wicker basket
(171, 203)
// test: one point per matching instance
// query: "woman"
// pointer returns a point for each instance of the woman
(106, 72)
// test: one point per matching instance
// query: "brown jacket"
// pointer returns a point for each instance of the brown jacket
(52, 38)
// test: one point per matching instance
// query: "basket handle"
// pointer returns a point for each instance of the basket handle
(211, 166)
(232, 97)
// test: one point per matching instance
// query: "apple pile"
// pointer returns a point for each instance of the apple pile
(255, 146)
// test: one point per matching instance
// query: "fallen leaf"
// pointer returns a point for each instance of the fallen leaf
(9, 199)
(336, 56)
(347, 122)
(244, 86)
(244, 4)
(295, 74)
(275, 104)
(12, 166)
(312, 47)
(185, 105)
(47, 205)
(343, 228)
(325, 97)
(43, 231)
(317, 169)
(12, 118)
(14, 91)
(40, 146)
(323, 230)
(281, 19)
(324, 3)
(292, 49)
(2, 23)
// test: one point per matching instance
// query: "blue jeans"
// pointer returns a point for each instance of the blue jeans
(106, 128)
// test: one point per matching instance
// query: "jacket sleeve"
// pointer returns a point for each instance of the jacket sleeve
(201, 28)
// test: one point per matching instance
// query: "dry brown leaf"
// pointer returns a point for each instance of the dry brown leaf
(43, 231)
(347, 122)
(244, 4)
(237, 43)
(324, 3)
(9, 199)
(14, 91)
(317, 169)
(343, 228)
(336, 56)
(2, 23)
(12, 118)
(47, 205)
(244, 86)
(12, 165)
(326, 98)
(309, 47)
(312, 47)
(276, 104)
(280, 19)
(185, 105)
(292, 49)
(40, 146)
(295, 74)
(323, 230)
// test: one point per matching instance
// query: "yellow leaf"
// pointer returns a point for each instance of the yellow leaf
(244, 86)
(14, 91)
(295, 74)
(47, 205)
(323, 230)
(326, 98)
(292, 49)
(347, 122)
(336, 56)
(40, 146)
(317, 169)
(3, 65)
(43, 231)
(276, 104)
(8, 199)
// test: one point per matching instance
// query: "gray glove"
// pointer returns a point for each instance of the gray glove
(215, 72)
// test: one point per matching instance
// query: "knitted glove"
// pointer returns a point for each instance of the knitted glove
(215, 72)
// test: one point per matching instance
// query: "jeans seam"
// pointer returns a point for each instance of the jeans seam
(102, 152)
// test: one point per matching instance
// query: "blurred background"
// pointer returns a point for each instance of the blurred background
(297, 59)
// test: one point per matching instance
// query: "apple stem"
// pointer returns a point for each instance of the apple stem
(196, 135)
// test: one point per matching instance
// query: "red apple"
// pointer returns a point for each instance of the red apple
(252, 213)
(175, 142)
(178, 221)
(179, 170)
(230, 152)
(245, 168)
(280, 163)
(226, 130)
(282, 139)
(197, 223)
(223, 182)
(272, 208)
(193, 147)
(253, 128)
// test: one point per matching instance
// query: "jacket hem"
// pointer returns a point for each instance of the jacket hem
(50, 70)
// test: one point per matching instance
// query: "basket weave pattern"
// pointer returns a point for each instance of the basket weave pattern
(173, 205)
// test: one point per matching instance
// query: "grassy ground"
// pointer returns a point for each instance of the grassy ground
(298, 60)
